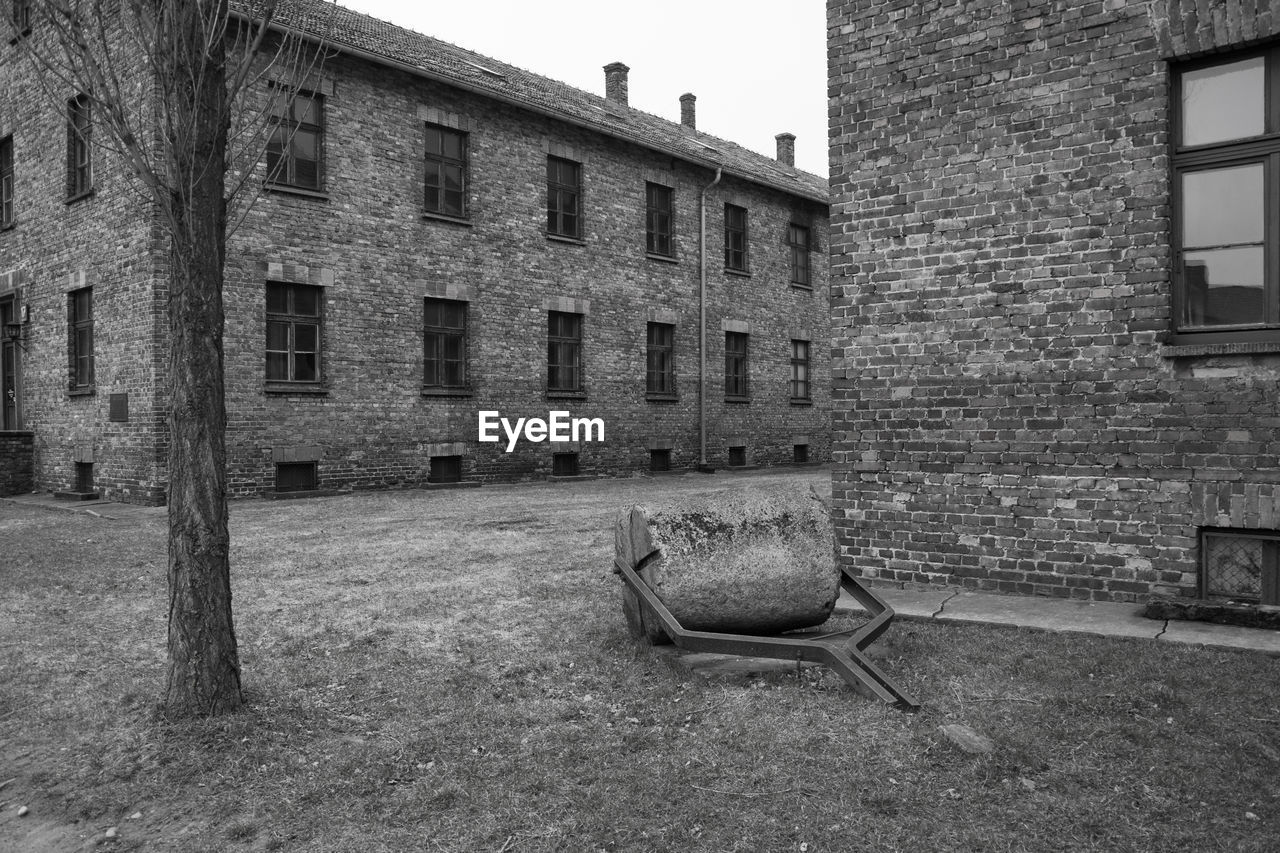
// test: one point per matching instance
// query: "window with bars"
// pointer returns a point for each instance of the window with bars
(1226, 179)
(446, 172)
(735, 238)
(658, 216)
(296, 476)
(445, 469)
(800, 454)
(798, 241)
(564, 352)
(564, 197)
(295, 150)
(20, 17)
(444, 341)
(80, 327)
(1240, 566)
(6, 182)
(799, 370)
(79, 159)
(660, 368)
(736, 382)
(294, 324)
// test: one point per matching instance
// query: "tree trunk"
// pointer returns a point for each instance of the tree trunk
(204, 667)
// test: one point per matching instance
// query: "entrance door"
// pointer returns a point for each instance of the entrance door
(10, 412)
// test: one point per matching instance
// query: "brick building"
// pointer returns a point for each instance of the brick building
(442, 235)
(1056, 295)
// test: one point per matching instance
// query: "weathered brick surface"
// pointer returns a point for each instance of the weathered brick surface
(367, 244)
(1005, 414)
(15, 462)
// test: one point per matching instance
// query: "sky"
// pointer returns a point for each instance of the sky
(758, 69)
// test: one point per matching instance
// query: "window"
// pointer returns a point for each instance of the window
(660, 368)
(798, 240)
(735, 238)
(799, 370)
(445, 469)
(800, 454)
(444, 344)
(564, 464)
(658, 202)
(79, 133)
(293, 332)
(735, 364)
(564, 190)
(446, 173)
(564, 351)
(1226, 166)
(1239, 566)
(84, 477)
(80, 323)
(295, 476)
(737, 456)
(20, 17)
(659, 460)
(6, 182)
(295, 151)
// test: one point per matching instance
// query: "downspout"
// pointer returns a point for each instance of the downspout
(702, 325)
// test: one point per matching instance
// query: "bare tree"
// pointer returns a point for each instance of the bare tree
(173, 83)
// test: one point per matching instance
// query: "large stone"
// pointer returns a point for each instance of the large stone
(739, 563)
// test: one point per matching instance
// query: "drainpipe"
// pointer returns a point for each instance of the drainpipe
(702, 327)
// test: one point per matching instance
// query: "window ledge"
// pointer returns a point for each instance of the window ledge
(436, 391)
(740, 273)
(666, 259)
(72, 199)
(429, 216)
(802, 401)
(655, 397)
(288, 389)
(566, 395)
(302, 192)
(562, 238)
(85, 391)
(1221, 348)
(806, 288)
(736, 399)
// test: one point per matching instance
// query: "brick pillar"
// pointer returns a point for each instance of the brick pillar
(686, 111)
(615, 82)
(786, 148)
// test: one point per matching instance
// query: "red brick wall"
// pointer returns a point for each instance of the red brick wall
(1006, 415)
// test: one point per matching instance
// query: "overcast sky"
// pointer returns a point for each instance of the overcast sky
(758, 69)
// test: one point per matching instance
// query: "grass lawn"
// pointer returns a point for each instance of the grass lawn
(450, 670)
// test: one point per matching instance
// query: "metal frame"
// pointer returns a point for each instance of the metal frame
(842, 651)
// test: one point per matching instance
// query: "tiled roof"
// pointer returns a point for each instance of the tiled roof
(380, 41)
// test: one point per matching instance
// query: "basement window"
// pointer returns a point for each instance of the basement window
(737, 456)
(564, 465)
(295, 476)
(84, 477)
(445, 469)
(659, 460)
(800, 454)
(1240, 566)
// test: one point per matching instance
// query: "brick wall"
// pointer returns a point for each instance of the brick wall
(1006, 414)
(376, 257)
(15, 462)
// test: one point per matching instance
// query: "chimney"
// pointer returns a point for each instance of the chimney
(686, 111)
(615, 82)
(786, 148)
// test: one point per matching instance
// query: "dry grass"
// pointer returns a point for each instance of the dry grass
(450, 671)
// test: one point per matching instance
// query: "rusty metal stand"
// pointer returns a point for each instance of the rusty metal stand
(841, 651)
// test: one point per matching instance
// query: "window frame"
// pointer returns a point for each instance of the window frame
(437, 162)
(80, 341)
(660, 381)
(1261, 149)
(6, 182)
(654, 216)
(564, 353)
(434, 344)
(801, 266)
(285, 100)
(801, 371)
(737, 257)
(79, 148)
(20, 18)
(293, 319)
(737, 366)
(558, 191)
(1269, 571)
